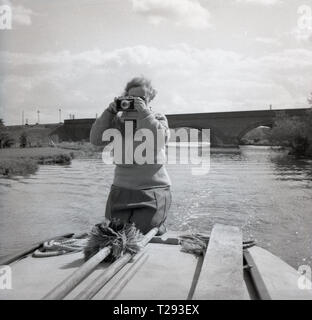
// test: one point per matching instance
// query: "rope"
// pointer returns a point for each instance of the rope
(198, 243)
(190, 243)
(121, 237)
(61, 246)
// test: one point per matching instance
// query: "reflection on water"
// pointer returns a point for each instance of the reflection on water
(261, 190)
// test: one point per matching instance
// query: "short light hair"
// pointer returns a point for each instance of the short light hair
(141, 82)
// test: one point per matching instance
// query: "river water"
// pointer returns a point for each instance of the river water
(261, 190)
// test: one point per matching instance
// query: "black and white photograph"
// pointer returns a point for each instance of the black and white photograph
(155, 151)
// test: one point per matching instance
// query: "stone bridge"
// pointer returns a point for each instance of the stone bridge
(226, 128)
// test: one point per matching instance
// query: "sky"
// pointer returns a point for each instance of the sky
(201, 55)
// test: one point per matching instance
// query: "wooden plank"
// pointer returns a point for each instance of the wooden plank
(258, 286)
(280, 279)
(221, 277)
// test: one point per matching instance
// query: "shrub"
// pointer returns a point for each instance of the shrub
(20, 167)
(23, 140)
(5, 140)
(56, 159)
(293, 132)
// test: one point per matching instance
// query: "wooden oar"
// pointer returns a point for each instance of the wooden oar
(97, 284)
(135, 266)
(62, 289)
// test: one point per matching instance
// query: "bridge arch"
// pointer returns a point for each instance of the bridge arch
(254, 125)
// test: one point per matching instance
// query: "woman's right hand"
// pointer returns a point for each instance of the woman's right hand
(112, 108)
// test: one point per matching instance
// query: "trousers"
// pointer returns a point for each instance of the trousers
(147, 208)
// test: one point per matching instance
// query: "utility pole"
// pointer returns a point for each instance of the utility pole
(22, 117)
(38, 120)
(60, 115)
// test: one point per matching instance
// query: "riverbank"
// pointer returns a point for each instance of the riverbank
(37, 135)
(18, 161)
(81, 149)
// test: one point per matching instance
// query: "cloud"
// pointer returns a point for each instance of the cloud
(260, 2)
(303, 36)
(268, 41)
(21, 15)
(187, 80)
(189, 13)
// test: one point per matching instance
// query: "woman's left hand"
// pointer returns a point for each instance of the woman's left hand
(140, 104)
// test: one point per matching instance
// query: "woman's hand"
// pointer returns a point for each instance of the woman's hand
(140, 104)
(112, 108)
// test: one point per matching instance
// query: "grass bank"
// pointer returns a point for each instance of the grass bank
(37, 135)
(16, 161)
(81, 149)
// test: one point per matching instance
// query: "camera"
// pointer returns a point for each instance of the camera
(125, 103)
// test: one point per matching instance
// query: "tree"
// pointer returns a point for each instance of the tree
(23, 140)
(5, 140)
(293, 132)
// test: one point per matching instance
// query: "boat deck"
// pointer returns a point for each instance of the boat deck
(162, 271)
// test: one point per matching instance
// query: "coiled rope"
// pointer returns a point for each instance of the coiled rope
(197, 243)
(61, 246)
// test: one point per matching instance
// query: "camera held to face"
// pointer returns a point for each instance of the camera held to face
(125, 103)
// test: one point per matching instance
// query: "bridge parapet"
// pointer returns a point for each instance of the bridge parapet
(226, 128)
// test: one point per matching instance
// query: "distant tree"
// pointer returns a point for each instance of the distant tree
(23, 140)
(5, 140)
(293, 132)
(258, 135)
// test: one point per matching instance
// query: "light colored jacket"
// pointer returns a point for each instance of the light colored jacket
(137, 176)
